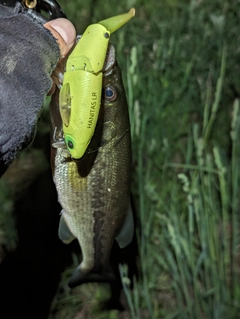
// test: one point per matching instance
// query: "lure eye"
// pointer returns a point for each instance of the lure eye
(70, 144)
(65, 103)
(110, 94)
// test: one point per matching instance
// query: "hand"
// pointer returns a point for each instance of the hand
(65, 34)
(28, 55)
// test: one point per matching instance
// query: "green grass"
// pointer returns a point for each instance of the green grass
(181, 70)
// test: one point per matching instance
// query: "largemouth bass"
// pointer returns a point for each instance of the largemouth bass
(94, 192)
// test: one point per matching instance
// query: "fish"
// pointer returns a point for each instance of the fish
(94, 191)
(84, 69)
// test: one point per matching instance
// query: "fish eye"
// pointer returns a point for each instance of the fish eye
(110, 94)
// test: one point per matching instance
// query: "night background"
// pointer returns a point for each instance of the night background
(180, 64)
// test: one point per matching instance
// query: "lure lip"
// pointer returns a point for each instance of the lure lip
(116, 22)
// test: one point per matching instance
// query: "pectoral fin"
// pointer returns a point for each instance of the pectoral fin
(125, 236)
(64, 232)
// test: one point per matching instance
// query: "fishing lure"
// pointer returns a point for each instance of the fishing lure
(80, 95)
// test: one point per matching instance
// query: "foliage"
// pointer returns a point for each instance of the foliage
(180, 65)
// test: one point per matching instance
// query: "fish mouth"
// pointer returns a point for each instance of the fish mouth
(110, 60)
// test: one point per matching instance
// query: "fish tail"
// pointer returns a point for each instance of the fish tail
(81, 276)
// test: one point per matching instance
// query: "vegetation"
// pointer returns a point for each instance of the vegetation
(179, 61)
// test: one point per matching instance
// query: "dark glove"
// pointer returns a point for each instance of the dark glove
(28, 54)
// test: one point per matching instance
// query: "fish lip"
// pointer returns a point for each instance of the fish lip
(110, 61)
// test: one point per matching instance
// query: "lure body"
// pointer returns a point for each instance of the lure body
(94, 192)
(80, 95)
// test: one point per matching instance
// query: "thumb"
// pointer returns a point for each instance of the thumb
(64, 32)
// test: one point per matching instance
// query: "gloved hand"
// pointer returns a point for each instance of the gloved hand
(29, 52)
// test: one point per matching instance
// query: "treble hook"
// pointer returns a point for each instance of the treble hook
(58, 142)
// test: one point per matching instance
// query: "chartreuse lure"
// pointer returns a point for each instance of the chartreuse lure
(80, 95)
